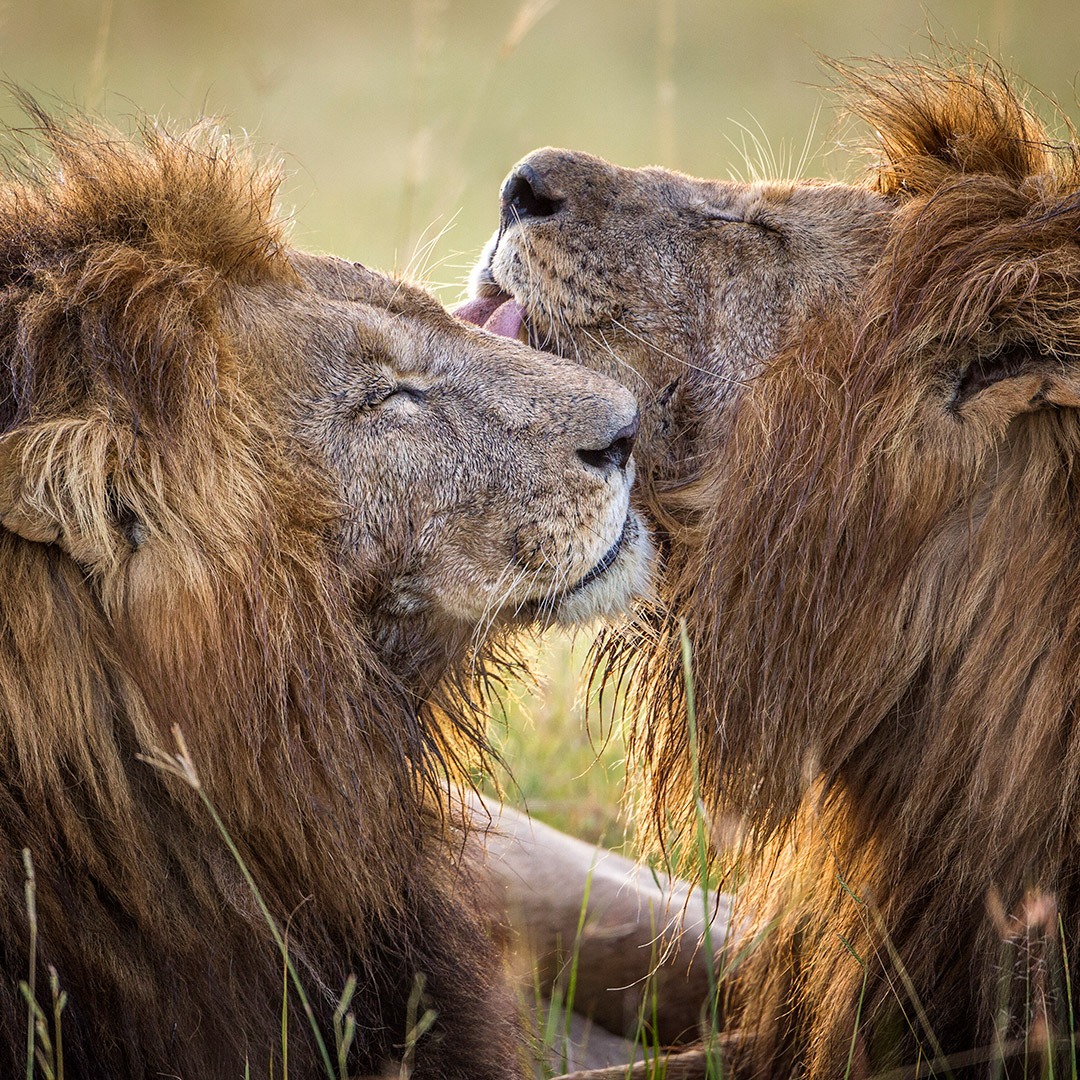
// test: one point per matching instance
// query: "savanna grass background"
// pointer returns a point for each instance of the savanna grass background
(397, 119)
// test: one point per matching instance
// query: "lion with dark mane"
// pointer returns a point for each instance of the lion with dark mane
(289, 506)
(863, 450)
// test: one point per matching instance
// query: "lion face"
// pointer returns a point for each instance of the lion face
(680, 288)
(473, 482)
(880, 586)
(264, 507)
(478, 480)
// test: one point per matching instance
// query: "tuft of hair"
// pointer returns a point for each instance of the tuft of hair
(200, 199)
(930, 124)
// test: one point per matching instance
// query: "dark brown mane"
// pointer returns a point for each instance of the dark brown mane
(884, 609)
(128, 257)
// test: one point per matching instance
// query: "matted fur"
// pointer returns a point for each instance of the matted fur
(876, 560)
(188, 539)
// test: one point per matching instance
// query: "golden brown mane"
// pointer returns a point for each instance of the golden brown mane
(128, 255)
(125, 406)
(884, 609)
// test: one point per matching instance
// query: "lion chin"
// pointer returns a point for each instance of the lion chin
(266, 518)
(859, 448)
(623, 572)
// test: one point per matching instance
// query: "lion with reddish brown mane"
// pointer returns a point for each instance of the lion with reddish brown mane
(291, 507)
(862, 447)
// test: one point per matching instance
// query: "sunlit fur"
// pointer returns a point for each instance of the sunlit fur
(174, 553)
(878, 566)
(883, 604)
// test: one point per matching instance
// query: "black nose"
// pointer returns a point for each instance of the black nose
(617, 452)
(525, 196)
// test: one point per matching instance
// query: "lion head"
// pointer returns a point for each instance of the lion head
(867, 479)
(284, 503)
(678, 287)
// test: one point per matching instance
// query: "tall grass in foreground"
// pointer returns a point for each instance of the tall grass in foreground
(180, 765)
(565, 764)
(711, 1033)
(1028, 940)
(44, 1041)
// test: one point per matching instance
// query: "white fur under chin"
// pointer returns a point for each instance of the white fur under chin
(628, 579)
(481, 282)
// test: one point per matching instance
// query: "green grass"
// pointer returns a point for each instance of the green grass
(564, 767)
(565, 764)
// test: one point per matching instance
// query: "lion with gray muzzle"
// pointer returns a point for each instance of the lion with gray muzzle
(290, 507)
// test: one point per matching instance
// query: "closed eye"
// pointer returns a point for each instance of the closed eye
(383, 394)
(375, 396)
(731, 219)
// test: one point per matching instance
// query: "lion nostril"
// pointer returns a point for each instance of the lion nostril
(617, 452)
(523, 196)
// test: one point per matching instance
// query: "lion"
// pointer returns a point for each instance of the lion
(860, 444)
(290, 507)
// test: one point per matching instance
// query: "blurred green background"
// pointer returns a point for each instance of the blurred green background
(397, 119)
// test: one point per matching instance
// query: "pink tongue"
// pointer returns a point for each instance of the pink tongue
(478, 311)
(506, 319)
(497, 314)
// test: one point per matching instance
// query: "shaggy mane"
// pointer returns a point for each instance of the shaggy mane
(883, 601)
(122, 400)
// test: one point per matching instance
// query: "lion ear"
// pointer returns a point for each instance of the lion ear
(1018, 378)
(19, 513)
(62, 491)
